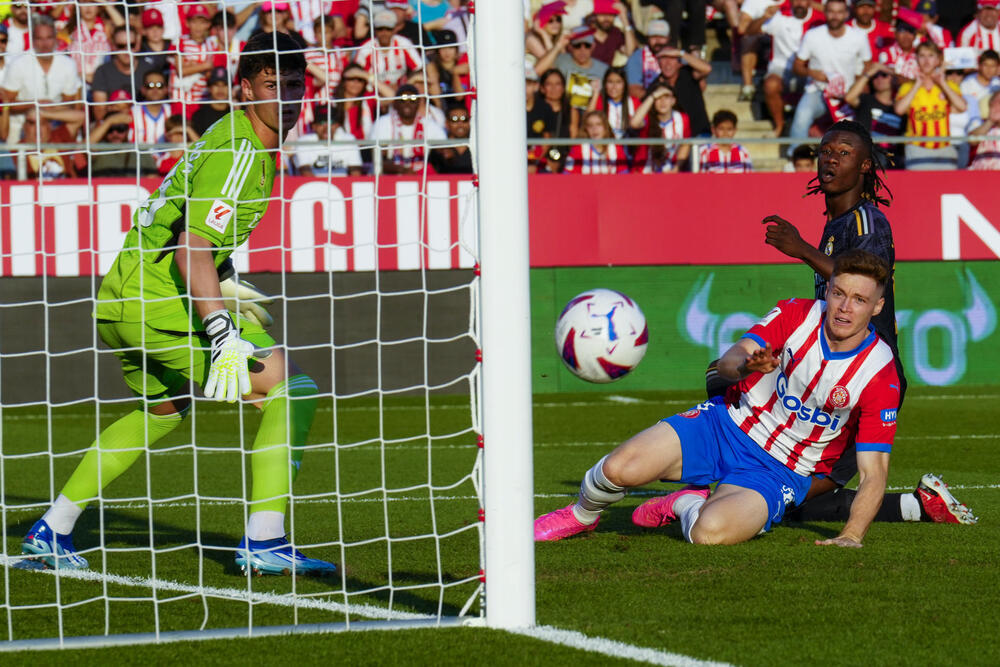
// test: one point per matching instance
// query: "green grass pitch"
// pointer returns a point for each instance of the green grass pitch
(916, 594)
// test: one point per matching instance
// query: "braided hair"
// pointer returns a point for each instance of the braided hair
(873, 186)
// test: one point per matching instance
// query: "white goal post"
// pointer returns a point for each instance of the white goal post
(417, 478)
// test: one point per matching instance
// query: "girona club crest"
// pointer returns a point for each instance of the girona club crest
(839, 396)
(689, 414)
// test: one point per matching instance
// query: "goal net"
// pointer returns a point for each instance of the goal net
(373, 267)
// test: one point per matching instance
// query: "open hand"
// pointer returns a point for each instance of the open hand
(840, 542)
(783, 235)
(763, 360)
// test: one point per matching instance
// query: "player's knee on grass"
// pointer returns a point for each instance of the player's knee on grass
(718, 527)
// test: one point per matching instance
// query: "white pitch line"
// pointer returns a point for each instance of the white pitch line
(611, 647)
(236, 594)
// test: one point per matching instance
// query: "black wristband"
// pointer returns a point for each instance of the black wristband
(218, 323)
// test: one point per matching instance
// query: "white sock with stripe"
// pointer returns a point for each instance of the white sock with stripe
(596, 493)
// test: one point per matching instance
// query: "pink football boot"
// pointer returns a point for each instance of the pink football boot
(559, 525)
(659, 511)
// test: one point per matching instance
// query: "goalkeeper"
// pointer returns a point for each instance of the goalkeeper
(161, 308)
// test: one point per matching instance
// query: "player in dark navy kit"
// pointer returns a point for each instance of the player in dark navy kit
(848, 176)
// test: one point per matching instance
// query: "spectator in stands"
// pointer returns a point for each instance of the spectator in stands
(228, 45)
(555, 161)
(178, 132)
(432, 111)
(48, 164)
(388, 57)
(988, 151)
(322, 158)
(358, 105)
(149, 116)
(802, 160)
(546, 29)
(927, 28)
(540, 117)
(455, 159)
(553, 87)
(786, 31)
(403, 122)
(123, 160)
(155, 51)
(692, 31)
(458, 19)
(447, 71)
(752, 42)
(901, 57)
(927, 103)
(983, 32)
(195, 61)
(327, 61)
(121, 72)
(614, 101)
(89, 35)
(581, 71)
(588, 158)
(18, 30)
(830, 55)
(275, 16)
(405, 25)
(41, 79)
(880, 35)
(658, 117)
(4, 39)
(642, 68)
(7, 169)
(955, 71)
(609, 41)
(978, 86)
(218, 104)
(873, 97)
(683, 72)
(724, 156)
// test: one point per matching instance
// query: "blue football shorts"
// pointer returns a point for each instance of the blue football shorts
(716, 450)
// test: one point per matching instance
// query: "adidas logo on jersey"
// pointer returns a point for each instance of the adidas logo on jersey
(804, 412)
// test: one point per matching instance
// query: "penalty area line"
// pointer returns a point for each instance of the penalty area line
(611, 647)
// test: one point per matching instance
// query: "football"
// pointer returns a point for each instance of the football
(601, 335)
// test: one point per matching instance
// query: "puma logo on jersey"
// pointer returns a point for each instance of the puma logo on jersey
(219, 216)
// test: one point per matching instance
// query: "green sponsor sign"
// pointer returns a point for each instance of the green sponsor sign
(947, 315)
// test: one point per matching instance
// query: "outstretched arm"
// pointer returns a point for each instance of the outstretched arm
(873, 471)
(746, 357)
(784, 236)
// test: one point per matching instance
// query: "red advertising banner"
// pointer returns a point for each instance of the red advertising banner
(73, 228)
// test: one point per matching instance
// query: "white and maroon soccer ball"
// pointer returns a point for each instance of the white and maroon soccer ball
(601, 335)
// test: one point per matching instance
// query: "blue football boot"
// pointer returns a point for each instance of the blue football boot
(278, 557)
(45, 545)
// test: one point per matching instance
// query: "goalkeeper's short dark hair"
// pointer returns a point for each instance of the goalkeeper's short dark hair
(265, 48)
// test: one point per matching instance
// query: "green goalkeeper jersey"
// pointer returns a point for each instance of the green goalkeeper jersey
(219, 190)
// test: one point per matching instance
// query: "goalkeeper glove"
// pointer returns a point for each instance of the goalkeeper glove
(241, 295)
(229, 370)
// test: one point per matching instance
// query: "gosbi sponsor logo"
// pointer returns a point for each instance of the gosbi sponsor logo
(804, 412)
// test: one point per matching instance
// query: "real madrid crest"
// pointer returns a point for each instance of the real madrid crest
(829, 246)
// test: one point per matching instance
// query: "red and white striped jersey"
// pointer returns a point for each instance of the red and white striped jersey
(902, 63)
(332, 63)
(975, 35)
(586, 159)
(805, 412)
(678, 127)
(18, 39)
(89, 47)
(716, 160)
(149, 129)
(191, 89)
(389, 64)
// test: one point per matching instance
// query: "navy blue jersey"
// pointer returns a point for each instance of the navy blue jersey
(867, 228)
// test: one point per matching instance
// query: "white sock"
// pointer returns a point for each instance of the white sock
(909, 506)
(266, 525)
(688, 509)
(596, 493)
(62, 516)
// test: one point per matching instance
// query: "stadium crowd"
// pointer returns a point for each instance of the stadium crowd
(142, 73)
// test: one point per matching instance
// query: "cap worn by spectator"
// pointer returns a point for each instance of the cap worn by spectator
(529, 72)
(926, 7)
(858, 3)
(218, 74)
(606, 7)
(276, 6)
(198, 11)
(120, 96)
(549, 10)
(385, 19)
(907, 19)
(988, 4)
(152, 17)
(446, 37)
(581, 33)
(657, 28)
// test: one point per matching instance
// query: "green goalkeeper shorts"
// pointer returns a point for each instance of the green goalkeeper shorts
(158, 363)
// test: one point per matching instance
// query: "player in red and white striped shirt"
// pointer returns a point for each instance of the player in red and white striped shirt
(983, 33)
(388, 56)
(812, 376)
(594, 158)
(724, 158)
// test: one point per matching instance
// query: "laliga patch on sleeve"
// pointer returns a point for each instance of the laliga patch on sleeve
(219, 215)
(767, 319)
(888, 416)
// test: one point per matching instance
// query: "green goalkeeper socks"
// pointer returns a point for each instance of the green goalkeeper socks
(116, 448)
(288, 414)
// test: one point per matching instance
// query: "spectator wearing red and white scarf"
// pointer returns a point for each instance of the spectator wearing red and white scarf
(983, 33)
(89, 43)
(615, 103)
(197, 51)
(596, 158)
(724, 157)
(642, 67)
(403, 122)
(901, 57)
(388, 57)
(657, 117)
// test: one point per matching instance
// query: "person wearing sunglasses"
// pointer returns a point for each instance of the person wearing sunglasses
(456, 159)
(583, 72)
(404, 122)
(545, 29)
(120, 72)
